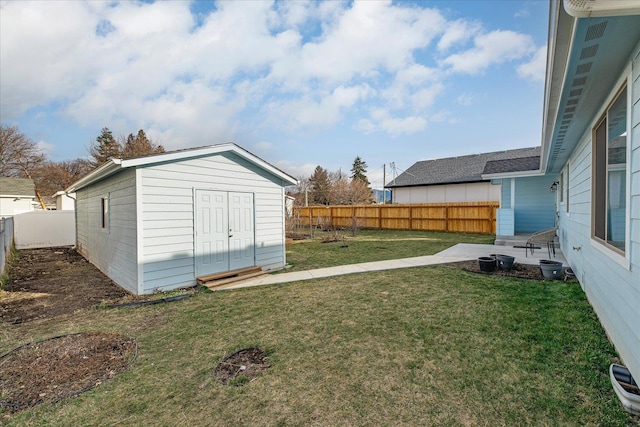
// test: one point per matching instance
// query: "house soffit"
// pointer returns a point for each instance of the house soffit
(600, 50)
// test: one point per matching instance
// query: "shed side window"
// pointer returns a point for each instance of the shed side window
(610, 175)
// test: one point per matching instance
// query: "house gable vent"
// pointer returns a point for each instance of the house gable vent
(595, 31)
(572, 101)
(589, 51)
(575, 92)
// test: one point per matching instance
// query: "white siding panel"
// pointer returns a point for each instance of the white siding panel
(112, 251)
(448, 193)
(612, 289)
(168, 214)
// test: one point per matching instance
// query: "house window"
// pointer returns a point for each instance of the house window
(104, 210)
(561, 187)
(610, 175)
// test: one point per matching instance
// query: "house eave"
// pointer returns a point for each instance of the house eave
(585, 59)
(598, 8)
(521, 174)
(436, 183)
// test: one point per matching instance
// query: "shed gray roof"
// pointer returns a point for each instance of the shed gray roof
(453, 170)
(114, 165)
(16, 187)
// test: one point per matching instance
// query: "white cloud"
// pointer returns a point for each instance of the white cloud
(381, 120)
(458, 32)
(262, 146)
(465, 99)
(293, 65)
(311, 113)
(45, 148)
(358, 44)
(536, 68)
(492, 48)
(304, 170)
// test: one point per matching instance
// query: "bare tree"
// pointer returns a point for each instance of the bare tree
(19, 156)
(51, 177)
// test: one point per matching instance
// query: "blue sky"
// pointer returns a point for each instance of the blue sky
(299, 84)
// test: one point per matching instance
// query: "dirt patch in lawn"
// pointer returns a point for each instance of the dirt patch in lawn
(242, 366)
(61, 367)
(50, 282)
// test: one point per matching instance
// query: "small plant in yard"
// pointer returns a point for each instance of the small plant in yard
(239, 381)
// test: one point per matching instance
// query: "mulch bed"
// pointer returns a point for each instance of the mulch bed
(61, 367)
(242, 366)
(522, 271)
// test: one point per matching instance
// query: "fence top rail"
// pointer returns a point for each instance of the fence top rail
(397, 205)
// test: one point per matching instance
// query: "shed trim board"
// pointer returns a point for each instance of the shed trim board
(139, 232)
(151, 241)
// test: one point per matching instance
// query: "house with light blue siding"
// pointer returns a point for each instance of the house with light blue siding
(158, 222)
(591, 159)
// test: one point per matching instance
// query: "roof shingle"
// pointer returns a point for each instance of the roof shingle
(17, 186)
(461, 169)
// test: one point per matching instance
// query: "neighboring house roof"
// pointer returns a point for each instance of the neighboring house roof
(461, 169)
(113, 166)
(520, 165)
(14, 187)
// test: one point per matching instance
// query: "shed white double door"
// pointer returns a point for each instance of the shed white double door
(225, 238)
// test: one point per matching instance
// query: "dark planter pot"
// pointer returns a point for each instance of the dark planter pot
(505, 262)
(551, 269)
(487, 264)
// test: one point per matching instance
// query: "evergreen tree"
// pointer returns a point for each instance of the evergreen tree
(320, 186)
(105, 147)
(140, 145)
(359, 171)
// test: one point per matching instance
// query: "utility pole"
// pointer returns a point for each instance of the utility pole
(384, 183)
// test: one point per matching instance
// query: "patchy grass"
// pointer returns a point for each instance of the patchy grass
(421, 346)
(372, 245)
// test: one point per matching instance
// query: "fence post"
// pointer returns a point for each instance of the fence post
(379, 217)
(446, 217)
(410, 217)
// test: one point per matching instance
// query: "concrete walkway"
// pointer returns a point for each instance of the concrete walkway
(459, 252)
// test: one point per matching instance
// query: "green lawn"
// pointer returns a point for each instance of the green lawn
(422, 346)
(372, 245)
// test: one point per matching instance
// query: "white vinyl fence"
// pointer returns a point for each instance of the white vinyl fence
(44, 229)
(6, 237)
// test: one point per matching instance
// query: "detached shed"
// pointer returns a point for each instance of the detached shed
(158, 222)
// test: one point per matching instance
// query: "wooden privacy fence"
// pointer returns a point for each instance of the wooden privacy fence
(463, 217)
